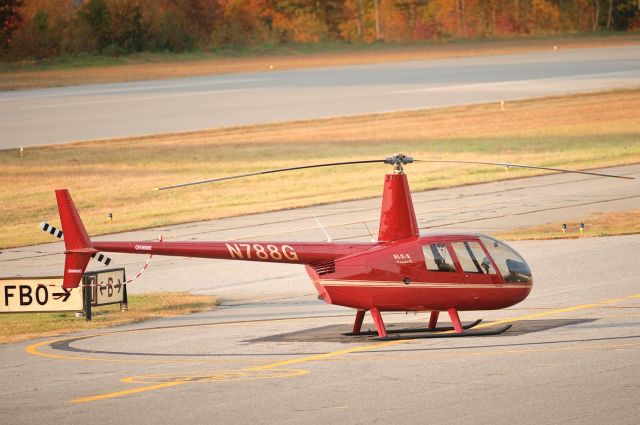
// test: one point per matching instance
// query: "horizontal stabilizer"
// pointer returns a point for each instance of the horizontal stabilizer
(60, 235)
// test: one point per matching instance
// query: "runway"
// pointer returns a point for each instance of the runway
(273, 353)
(57, 115)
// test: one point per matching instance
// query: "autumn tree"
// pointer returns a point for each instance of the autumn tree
(10, 18)
(41, 28)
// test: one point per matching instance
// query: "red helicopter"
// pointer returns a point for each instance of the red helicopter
(402, 271)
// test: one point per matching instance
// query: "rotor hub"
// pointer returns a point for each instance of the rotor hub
(398, 160)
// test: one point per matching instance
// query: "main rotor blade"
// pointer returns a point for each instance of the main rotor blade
(257, 173)
(396, 160)
(505, 164)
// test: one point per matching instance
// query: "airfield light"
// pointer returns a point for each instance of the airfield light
(564, 228)
(581, 228)
(110, 216)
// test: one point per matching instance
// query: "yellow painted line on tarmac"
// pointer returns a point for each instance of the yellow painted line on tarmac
(332, 354)
(544, 350)
(328, 355)
(181, 379)
(490, 353)
(538, 315)
(127, 392)
(614, 300)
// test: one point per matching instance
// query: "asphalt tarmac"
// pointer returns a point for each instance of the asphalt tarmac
(572, 355)
(64, 114)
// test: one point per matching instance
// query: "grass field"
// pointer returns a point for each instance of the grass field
(577, 132)
(146, 66)
(20, 327)
(606, 224)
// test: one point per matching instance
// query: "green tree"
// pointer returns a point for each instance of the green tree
(95, 14)
(625, 14)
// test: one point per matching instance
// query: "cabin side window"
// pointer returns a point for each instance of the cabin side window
(438, 258)
(512, 266)
(472, 258)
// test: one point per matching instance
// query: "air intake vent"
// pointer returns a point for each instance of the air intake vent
(325, 267)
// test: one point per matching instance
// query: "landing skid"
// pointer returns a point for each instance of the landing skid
(444, 335)
(416, 330)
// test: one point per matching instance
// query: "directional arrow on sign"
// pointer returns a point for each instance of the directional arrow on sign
(66, 294)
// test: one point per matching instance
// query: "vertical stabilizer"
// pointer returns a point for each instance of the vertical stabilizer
(76, 240)
(397, 218)
(75, 235)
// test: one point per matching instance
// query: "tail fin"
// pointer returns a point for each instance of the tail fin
(76, 240)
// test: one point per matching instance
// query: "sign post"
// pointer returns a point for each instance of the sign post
(87, 300)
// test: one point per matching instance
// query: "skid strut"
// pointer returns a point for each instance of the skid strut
(357, 325)
(433, 319)
(455, 320)
(377, 320)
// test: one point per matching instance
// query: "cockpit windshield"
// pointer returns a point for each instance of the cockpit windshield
(512, 266)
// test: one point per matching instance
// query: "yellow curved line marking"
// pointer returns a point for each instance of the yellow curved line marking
(224, 375)
(127, 392)
(543, 314)
(438, 355)
(34, 350)
(158, 386)
(324, 356)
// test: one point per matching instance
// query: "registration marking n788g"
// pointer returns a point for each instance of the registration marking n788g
(247, 251)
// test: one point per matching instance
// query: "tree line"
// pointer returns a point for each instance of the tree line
(44, 28)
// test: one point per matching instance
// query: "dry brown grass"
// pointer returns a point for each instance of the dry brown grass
(20, 327)
(578, 132)
(32, 78)
(605, 224)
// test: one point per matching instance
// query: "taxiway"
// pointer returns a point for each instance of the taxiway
(65, 114)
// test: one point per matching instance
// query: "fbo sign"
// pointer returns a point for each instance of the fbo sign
(37, 294)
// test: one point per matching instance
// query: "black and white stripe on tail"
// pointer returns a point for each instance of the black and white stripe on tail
(50, 229)
(58, 234)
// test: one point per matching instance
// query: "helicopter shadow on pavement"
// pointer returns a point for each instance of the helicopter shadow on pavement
(340, 333)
